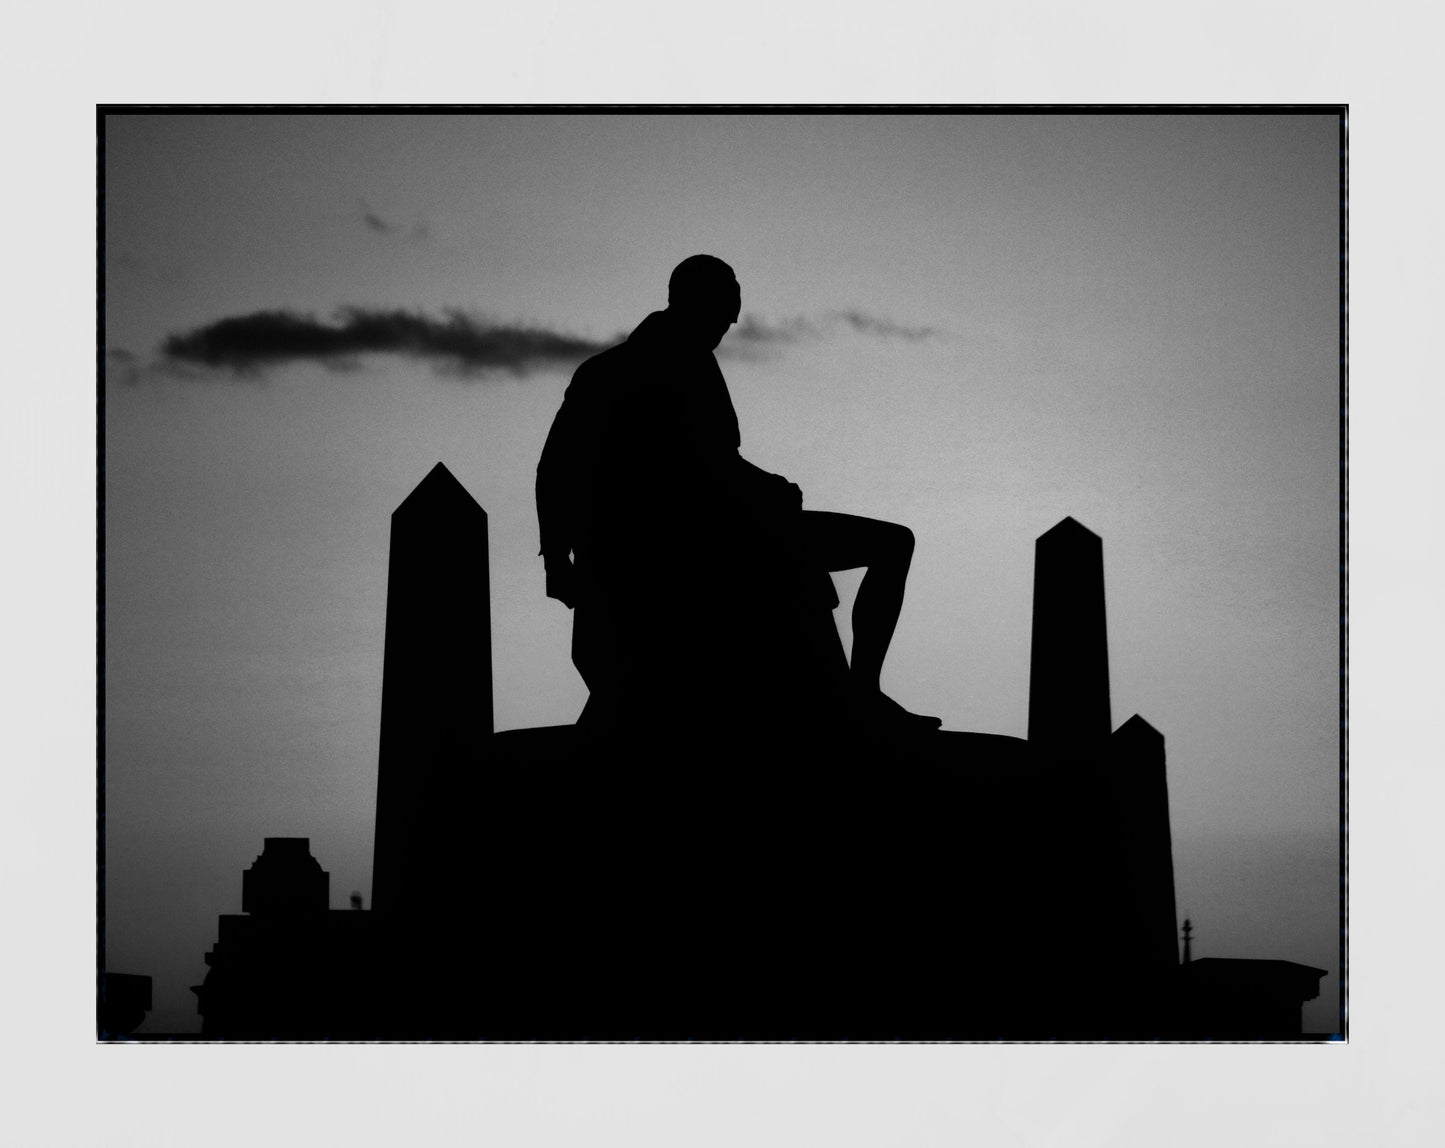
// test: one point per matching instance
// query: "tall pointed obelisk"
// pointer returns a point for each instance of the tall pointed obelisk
(1069, 659)
(436, 693)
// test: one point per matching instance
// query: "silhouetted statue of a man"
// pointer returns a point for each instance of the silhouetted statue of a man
(665, 538)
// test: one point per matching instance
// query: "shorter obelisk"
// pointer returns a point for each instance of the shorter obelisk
(1069, 659)
(1141, 793)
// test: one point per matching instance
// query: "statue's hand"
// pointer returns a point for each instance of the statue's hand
(789, 494)
(562, 580)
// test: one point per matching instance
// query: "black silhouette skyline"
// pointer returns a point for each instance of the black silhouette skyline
(1152, 358)
(765, 926)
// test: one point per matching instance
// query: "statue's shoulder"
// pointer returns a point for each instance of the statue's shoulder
(603, 371)
(613, 357)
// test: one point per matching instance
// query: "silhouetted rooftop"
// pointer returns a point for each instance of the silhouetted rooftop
(1240, 974)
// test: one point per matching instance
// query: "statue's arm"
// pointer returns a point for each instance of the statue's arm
(559, 472)
(553, 475)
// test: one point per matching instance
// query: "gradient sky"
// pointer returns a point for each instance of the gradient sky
(1128, 319)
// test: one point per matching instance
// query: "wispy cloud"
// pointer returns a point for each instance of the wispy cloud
(755, 330)
(374, 222)
(122, 366)
(754, 335)
(866, 324)
(456, 343)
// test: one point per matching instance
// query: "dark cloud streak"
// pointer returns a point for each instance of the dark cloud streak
(456, 343)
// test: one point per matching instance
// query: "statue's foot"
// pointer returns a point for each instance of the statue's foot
(882, 714)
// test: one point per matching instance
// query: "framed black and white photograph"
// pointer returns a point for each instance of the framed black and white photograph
(701, 574)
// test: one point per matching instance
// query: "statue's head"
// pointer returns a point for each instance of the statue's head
(704, 297)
